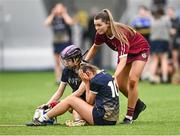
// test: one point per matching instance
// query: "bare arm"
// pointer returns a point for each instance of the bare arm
(80, 90)
(87, 84)
(49, 20)
(58, 93)
(69, 20)
(92, 52)
(120, 66)
(91, 98)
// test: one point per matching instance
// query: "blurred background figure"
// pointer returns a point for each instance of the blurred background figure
(81, 18)
(175, 43)
(159, 42)
(142, 21)
(142, 24)
(60, 21)
(91, 31)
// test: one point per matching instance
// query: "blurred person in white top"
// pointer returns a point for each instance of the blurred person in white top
(159, 42)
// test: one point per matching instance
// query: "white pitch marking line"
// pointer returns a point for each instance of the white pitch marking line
(12, 125)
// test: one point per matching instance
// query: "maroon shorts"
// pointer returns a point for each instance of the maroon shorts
(143, 56)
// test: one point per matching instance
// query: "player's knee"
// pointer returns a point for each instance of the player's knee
(70, 97)
(132, 83)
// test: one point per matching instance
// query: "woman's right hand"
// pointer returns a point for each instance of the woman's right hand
(115, 81)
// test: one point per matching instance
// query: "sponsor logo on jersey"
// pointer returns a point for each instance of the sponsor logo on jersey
(144, 55)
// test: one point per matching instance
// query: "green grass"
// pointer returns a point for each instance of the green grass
(20, 93)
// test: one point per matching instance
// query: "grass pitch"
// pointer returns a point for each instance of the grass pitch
(21, 93)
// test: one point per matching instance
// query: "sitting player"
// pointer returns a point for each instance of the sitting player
(71, 57)
(102, 106)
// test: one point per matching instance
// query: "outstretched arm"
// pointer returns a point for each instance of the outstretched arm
(120, 66)
(92, 52)
(80, 90)
(49, 20)
(57, 95)
(69, 20)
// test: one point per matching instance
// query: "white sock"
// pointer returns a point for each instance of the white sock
(76, 120)
(165, 78)
(129, 117)
(43, 118)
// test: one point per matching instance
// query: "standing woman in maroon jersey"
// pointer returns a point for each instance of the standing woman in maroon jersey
(133, 51)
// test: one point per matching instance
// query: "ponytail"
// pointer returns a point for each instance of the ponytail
(106, 16)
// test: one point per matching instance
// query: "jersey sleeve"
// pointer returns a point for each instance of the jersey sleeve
(123, 50)
(94, 87)
(64, 77)
(98, 39)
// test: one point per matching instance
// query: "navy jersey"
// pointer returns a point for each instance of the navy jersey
(71, 77)
(62, 31)
(59, 25)
(107, 99)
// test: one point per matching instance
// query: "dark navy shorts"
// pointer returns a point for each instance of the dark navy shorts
(159, 46)
(59, 47)
(98, 117)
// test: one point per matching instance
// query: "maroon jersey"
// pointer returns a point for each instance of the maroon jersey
(137, 44)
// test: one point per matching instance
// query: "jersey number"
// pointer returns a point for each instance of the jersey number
(113, 87)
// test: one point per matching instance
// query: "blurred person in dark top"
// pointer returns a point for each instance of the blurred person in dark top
(175, 42)
(60, 21)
